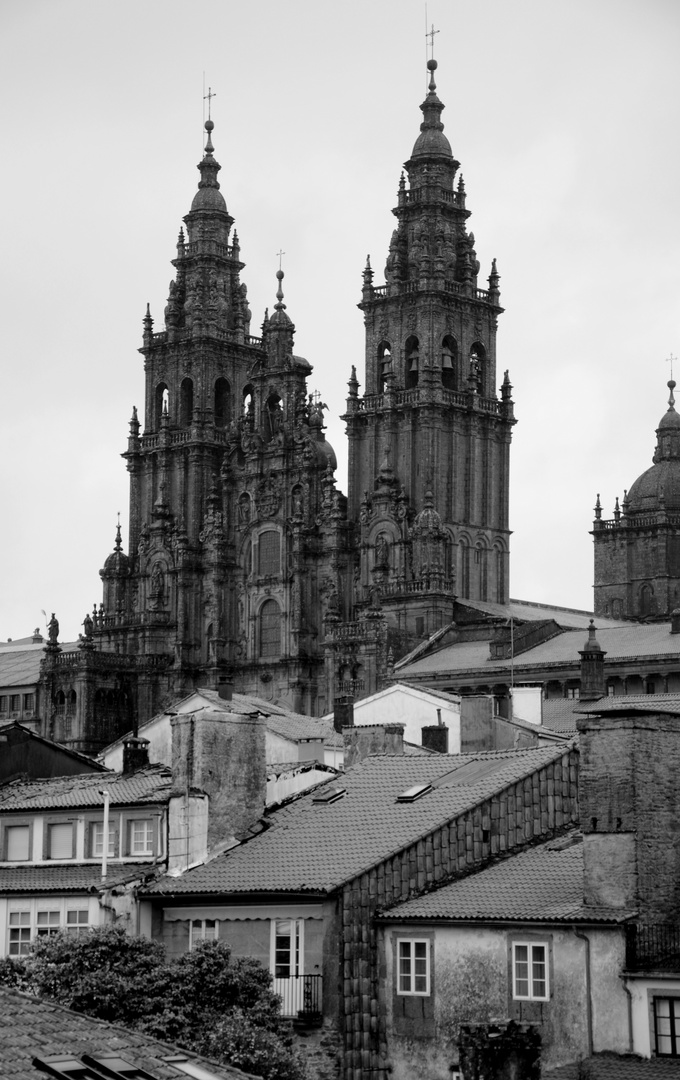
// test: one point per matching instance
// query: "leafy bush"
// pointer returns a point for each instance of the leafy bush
(203, 1000)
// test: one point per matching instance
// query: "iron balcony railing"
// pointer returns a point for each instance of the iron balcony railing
(653, 948)
(300, 996)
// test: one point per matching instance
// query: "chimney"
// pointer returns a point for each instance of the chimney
(221, 754)
(225, 687)
(343, 713)
(592, 668)
(369, 739)
(436, 738)
(630, 806)
(135, 754)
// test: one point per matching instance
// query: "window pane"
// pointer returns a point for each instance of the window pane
(141, 837)
(538, 971)
(270, 629)
(667, 1025)
(61, 841)
(98, 840)
(17, 842)
(270, 554)
(48, 923)
(521, 971)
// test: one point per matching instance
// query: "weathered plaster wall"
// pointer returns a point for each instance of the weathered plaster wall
(471, 983)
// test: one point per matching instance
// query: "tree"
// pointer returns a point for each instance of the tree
(203, 1000)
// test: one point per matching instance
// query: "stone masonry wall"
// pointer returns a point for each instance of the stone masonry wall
(535, 807)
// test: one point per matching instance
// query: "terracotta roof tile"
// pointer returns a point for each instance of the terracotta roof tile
(149, 785)
(617, 1067)
(32, 1028)
(316, 847)
(544, 884)
(62, 878)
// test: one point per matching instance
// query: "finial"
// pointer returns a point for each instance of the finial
(208, 97)
(669, 360)
(598, 508)
(671, 399)
(279, 305)
(119, 543)
(432, 63)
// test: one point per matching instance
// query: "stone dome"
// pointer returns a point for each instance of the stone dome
(428, 520)
(209, 198)
(659, 487)
(117, 563)
(432, 141)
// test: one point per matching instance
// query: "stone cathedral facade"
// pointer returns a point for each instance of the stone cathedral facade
(245, 562)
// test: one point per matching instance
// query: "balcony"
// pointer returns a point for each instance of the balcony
(653, 948)
(300, 997)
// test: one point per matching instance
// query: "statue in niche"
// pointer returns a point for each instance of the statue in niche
(157, 592)
(382, 552)
(244, 508)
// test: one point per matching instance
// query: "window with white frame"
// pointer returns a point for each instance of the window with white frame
(413, 966)
(203, 930)
(47, 923)
(140, 834)
(97, 840)
(287, 948)
(17, 843)
(667, 1026)
(530, 971)
(19, 933)
(77, 920)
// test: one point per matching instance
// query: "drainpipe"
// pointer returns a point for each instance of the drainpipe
(105, 837)
(589, 1012)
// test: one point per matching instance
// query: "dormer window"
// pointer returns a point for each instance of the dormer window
(17, 843)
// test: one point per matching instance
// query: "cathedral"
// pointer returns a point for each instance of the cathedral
(245, 564)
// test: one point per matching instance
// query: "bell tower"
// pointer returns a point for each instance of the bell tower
(429, 440)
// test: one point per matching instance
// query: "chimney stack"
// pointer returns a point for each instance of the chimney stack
(135, 754)
(225, 687)
(366, 740)
(436, 737)
(592, 668)
(343, 713)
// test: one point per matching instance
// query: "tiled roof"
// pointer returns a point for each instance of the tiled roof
(619, 642)
(544, 884)
(32, 1028)
(317, 846)
(617, 1067)
(525, 610)
(64, 878)
(296, 728)
(149, 785)
(20, 664)
(561, 715)
(633, 703)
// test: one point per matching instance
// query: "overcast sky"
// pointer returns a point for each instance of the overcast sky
(565, 117)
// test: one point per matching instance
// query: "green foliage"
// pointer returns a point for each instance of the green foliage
(203, 1000)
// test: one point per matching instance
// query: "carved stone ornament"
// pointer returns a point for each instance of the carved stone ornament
(268, 496)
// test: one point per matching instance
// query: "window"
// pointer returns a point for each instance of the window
(269, 558)
(47, 923)
(4, 703)
(287, 948)
(29, 702)
(60, 841)
(413, 975)
(77, 921)
(202, 930)
(572, 692)
(270, 629)
(529, 971)
(17, 842)
(97, 840)
(667, 1026)
(19, 932)
(15, 703)
(141, 837)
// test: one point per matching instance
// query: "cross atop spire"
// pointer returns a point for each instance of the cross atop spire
(208, 97)
(430, 34)
(669, 360)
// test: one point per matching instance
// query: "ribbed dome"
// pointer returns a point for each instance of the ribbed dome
(117, 562)
(428, 520)
(659, 487)
(208, 196)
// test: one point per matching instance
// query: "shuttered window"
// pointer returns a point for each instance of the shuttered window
(17, 842)
(60, 841)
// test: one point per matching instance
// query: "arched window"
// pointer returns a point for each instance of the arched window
(647, 600)
(478, 372)
(222, 403)
(161, 403)
(248, 404)
(464, 576)
(208, 641)
(270, 629)
(384, 364)
(449, 363)
(500, 574)
(482, 564)
(186, 402)
(412, 353)
(269, 554)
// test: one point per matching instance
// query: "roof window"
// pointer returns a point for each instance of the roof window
(328, 795)
(191, 1068)
(415, 792)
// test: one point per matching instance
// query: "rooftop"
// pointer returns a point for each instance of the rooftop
(543, 884)
(148, 785)
(68, 878)
(32, 1028)
(314, 847)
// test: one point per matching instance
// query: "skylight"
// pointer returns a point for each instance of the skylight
(415, 792)
(328, 795)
